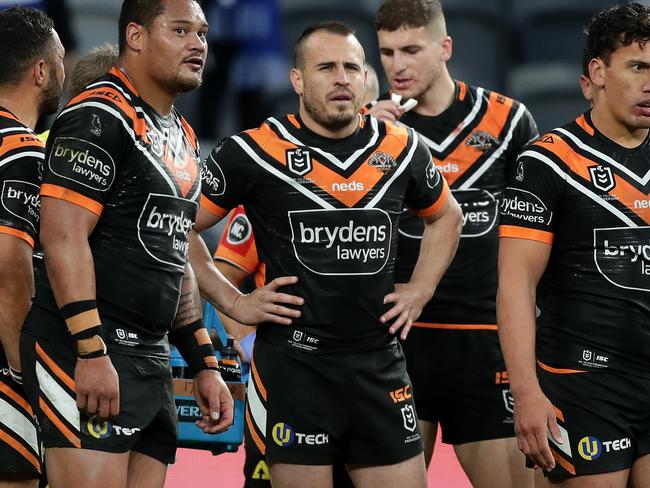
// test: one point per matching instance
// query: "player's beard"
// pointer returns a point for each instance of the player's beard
(331, 121)
(50, 96)
(186, 84)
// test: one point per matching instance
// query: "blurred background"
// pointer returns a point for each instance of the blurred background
(527, 49)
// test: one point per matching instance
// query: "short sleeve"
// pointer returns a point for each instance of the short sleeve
(84, 151)
(237, 243)
(529, 204)
(20, 165)
(427, 191)
(224, 178)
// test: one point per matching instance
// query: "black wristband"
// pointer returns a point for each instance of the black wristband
(194, 344)
(82, 320)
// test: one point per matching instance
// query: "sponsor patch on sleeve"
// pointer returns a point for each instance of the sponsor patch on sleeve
(525, 208)
(21, 202)
(83, 162)
(212, 178)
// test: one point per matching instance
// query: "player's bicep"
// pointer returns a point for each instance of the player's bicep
(63, 221)
(522, 261)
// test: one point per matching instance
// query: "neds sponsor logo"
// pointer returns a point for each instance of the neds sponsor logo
(83, 162)
(163, 227)
(342, 242)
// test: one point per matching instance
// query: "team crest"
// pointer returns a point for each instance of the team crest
(520, 171)
(481, 140)
(602, 177)
(432, 176)
(299, 161)
(508, 401)
(96, 126)
(384, 162)
(408, 414)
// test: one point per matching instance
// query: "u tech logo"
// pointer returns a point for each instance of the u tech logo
(591, 448)
(285, 435)
(99, 430)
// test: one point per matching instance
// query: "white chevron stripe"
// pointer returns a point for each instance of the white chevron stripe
(18, 423)
(258, 411)
(497, 153)
(63, 402)
(297, 186)
(581, 188)
(330, 157)
(642, 180)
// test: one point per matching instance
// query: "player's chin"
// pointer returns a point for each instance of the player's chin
(188, 82)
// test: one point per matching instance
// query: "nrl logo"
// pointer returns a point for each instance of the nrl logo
(384, 162)
(602, 177)
(481, 140)
(408, 415)
(299, 161)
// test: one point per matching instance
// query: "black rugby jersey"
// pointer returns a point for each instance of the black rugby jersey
(21, 160)
(590, 198)
(473, 142)
(111, 153)
(326, 210)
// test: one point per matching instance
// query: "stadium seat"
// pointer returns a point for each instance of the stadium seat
(479, 32)
(550, 91)
(552, 30)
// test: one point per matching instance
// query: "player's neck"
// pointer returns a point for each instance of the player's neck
(157, 97)
(317, 128)
(23, 106)
(438, 97)
(604, 120)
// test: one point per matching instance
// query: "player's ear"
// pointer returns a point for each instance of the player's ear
(447, 48)
(135, 34)
(296, 80)
(597, 72)
(39, 72)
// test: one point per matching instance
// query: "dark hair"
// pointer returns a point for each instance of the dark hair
(26, 34)
(332, 27)
(613, 28)
(141, 12)
(395, 14)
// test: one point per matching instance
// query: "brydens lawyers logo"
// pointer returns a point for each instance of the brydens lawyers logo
(602, 177)
(298, 161)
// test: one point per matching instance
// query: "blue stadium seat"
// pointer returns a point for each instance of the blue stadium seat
(479, 33)
(550, 91)
(552, 30)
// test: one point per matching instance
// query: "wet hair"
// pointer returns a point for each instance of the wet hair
(141, 12)
(93, 65)
(397, 14)
(337, 28)
(26, 35)
(613, 28)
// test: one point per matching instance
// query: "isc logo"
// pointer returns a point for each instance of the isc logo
(401, 394)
